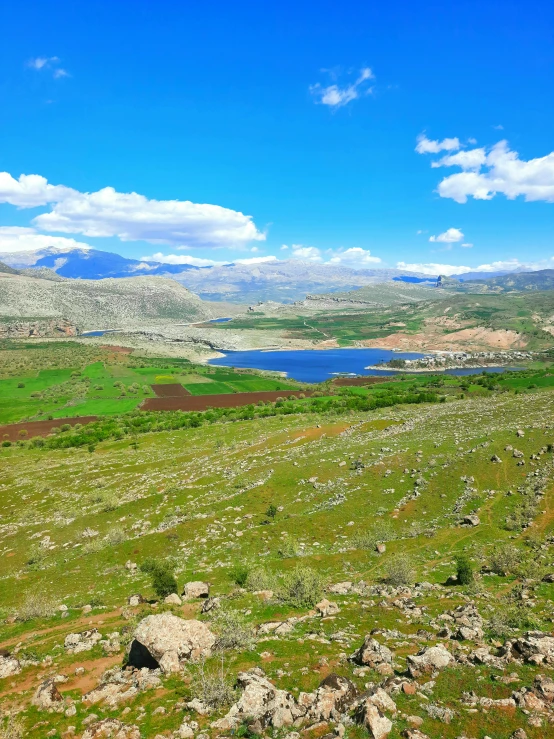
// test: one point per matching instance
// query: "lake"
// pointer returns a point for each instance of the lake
(320, 365)
(99, 333)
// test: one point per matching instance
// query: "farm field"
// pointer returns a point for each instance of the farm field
(276, 512)
(101, 382)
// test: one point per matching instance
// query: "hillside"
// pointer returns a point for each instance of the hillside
(333, 561)
(523, 281)
(111, 303)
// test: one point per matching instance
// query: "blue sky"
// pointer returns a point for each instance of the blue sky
(297, 121)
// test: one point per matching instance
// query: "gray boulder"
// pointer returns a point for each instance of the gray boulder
(429, 660)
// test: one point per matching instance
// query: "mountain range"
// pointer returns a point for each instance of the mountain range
(284, 281)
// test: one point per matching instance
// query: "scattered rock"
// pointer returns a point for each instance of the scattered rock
(118, 685)
(135, 600)
(378, 725)
(111, 728)
(472, 520)
(82, 642)
(340, 588)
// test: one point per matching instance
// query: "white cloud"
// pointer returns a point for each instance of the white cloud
(498, 171)
(284, 247)
(336, 96)
(180, 259)
(355, 257)
(427, 146)
(129, 216)
(16, 239)
(256, 260)
(467, 246)
(473, 159)
(450, 236)
(307, 253)
(456, 269)
(50, 63)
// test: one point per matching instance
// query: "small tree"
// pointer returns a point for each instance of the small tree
(464, 570)
(163, 578)
(302, 587)
(399, 571)
(271, 511)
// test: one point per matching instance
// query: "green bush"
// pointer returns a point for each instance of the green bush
(232, 630)
(163, 578)
(464, 570)
(271, 511)
(258, 578)
(302, 587)
(239, 575)
(505, 559)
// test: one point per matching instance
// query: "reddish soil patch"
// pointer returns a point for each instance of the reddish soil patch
(117, 349)
(358, 381)
(203, 402)
(173, 390)
(39, 428)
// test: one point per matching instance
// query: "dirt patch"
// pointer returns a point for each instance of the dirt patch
(468, 339)
(12, 432)
(172, 390)
(117, 349)
(203, 402)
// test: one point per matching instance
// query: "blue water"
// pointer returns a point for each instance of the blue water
(220, 320)
(99, 333)
(320, 365)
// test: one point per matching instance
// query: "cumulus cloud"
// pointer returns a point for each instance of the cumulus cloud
(336, 96)
(355, 257)
(199, 262)
(508, 265)
(129, 216)
(256, 260)
(450, 236)
(306, 253)
(427, 146)
(496, 171)
(17, 238)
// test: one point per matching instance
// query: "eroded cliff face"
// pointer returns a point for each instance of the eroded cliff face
(44, 328)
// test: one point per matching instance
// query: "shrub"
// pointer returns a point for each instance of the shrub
(259, 578)
(302, 587)
(20, 384)
(464, 570)
(239, 575)
(271, 511)
(505, 559)
(369, 539)
(35, 558)
(6, 443)
(163, 578)
(232, 629)
(35, 605)
(115, 536)
(399, 571)
(213, 688)
(92, 546)
(508, 618)
(289, 548)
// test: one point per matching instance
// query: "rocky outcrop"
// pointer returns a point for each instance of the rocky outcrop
(117, 686)
(168, 642)
(9, 665)
(14, 329)
(196, 590)
(264, 705)
(47, 697)
(82, 642)
(534, 647)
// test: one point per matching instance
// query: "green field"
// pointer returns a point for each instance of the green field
(95, 382)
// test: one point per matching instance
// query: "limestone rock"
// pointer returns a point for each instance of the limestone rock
(82, 642)
(47, 697)
(117, 686)
(166, 641)
(378, 725)
(533, 646)
(196, 589)
(340, 588)
(372, 654)
(472, 520)
(9, 666)
(428, 660)
(172, 600)
(327, 608)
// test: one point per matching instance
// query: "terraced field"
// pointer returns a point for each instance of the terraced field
(275, 513)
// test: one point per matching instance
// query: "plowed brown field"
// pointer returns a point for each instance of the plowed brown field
(173, 390)
(203, 402)
(39, 428)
